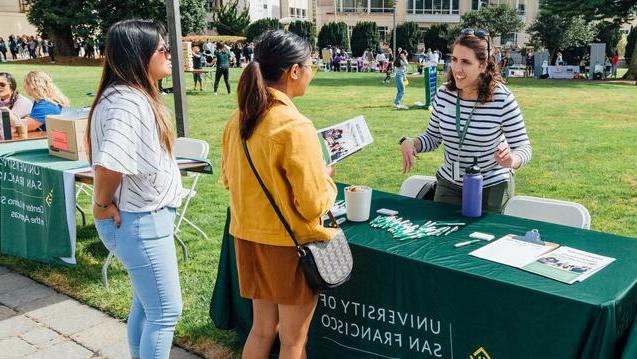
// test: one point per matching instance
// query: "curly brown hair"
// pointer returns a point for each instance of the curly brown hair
(490, 78)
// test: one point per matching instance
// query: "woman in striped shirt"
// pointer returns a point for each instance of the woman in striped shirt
(137, 181)
(476, 117)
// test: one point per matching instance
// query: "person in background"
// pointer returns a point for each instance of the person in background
(558, 60)
(287, 155)
(47, 99)
(381, 60)
(137, 181)
(475, 116)
(32, 45)
(237, 50)
(401, 75)
(13, 47)
(19, 107)
(197, 64)
(3, 50)
(222, 54)
(389, 67)
(530, 62)
(614, 61)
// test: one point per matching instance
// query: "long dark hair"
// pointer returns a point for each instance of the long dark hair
(129, 46)
(13, 85)
(490, 78)
(274, 53)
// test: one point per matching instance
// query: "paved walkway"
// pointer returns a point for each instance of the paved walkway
(38, 322)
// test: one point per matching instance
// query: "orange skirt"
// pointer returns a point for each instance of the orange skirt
(271, 273)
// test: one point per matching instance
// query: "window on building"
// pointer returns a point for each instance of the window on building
(383, 31)
(292, 12)
(521, 7)
(298, 12)
(354, 5)
(509, 39)
(24, 5)
(303, 13)
(265, 6)
(435, 7)
(381, 6)
(477, 4)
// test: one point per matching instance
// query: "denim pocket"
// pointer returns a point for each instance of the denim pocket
(106, 231)
(156, 225)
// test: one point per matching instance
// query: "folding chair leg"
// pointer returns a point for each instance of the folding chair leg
(183, 246)
(77, 206)
(107, 263)
(195, 227)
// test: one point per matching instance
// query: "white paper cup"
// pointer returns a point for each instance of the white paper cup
(358, 201)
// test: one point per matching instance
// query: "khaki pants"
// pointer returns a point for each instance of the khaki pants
(494, 198)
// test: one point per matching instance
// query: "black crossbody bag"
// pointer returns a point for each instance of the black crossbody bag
(326, 264)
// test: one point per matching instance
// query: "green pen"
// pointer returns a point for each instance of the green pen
(462, 244)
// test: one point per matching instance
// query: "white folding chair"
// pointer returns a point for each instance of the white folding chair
(87, 190)
(186, 148)
(549, 210)
(354, 66)
(189, 148)
(416, 186)
(343, 66)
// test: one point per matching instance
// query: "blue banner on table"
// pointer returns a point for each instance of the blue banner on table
(426, 299)
(431, 84)
(37, 212)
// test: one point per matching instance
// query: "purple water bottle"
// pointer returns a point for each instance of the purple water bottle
(472, 191)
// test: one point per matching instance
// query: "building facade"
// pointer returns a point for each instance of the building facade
(13, 19)
(423, 12)
(261, 9)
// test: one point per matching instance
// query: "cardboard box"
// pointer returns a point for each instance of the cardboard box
(66, 135)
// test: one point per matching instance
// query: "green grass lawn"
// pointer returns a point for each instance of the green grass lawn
(583, 135)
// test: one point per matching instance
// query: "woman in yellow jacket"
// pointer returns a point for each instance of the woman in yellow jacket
(286, 153)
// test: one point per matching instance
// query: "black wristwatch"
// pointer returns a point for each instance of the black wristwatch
(402, 139)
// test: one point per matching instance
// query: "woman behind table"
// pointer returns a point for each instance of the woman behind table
(137, 181)
(287, 155)
(19, 107)
(495, 131)
(47, 99)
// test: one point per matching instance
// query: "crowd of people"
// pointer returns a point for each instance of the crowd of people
(45, 98)
(24, 47)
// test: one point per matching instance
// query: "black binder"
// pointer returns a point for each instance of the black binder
(6, 126)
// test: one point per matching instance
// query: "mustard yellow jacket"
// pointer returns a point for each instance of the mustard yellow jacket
(285, 150)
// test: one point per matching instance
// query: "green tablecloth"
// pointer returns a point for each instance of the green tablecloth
(37, 197)
(425, 298)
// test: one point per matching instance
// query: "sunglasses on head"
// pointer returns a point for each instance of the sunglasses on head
(480, 34)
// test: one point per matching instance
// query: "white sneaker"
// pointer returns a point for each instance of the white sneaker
(401, 107)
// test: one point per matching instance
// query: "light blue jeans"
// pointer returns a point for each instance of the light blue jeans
(400, 87)
(145, 246)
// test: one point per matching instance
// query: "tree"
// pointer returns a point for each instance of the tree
(555, 32)
(407, 37)
(631, 41)
(193, 16)
(333, 34)
(610, 34)
(498, 20)
(193, 13)
(260, 26)
(229, 21)
(437, 37)
(304, 29)
(62, 20)
(364, 36)
(619, 11)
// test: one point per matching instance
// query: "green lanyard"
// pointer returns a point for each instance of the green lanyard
(462, 133)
